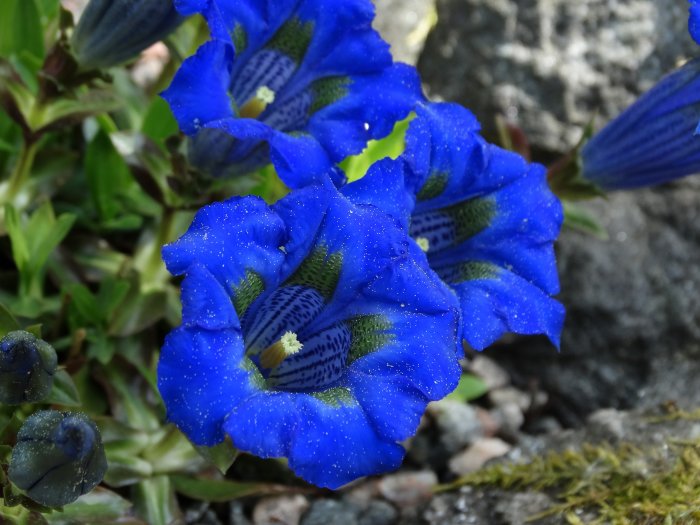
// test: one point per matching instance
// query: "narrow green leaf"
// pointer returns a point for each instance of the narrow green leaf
(107, 174)
(20, 29)
(64, 391)
(470, 387)
(20, 249)
(99, 507)
(213, 490)
(155, 501)
(578, 218)
(8, 323)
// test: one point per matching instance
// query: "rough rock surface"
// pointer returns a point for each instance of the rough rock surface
(405, 25)
(548, 65)
(632, 333)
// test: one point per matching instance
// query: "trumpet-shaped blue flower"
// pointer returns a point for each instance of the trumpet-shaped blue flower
(112, 31)
(652, 141)
(301, 83)
(312, 330)
(694, 20)
(485, 218)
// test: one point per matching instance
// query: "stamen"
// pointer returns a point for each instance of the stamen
(264, 96)
(424, 243)
(277, 352)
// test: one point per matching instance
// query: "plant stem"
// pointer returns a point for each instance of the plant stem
(21, 171)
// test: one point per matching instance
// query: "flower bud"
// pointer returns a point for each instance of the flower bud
(654, 140)
(58, 457)
(112, 31)
(27, 367)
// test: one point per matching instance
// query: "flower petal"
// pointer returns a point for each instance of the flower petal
(201, 379)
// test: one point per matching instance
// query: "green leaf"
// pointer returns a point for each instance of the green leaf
(20, 29)
(20, 249)
(107, 175)
(99, 507)
(578, 218)
(213, 490)
(125, 469)
(470, 387)
(44, 233)
(35, 330)
(8, 323)
(356, 167)
(64, 392)
(222, 456)
(155, 501)
(159, 122)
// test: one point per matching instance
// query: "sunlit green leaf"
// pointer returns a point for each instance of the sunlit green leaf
(470, 387)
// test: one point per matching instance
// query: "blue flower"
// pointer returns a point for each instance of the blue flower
(58, 457)
(110, 32)
(301, 83)
(27, 368)
(312, 330)
(654, 140)
(694, 20)
(485, 218)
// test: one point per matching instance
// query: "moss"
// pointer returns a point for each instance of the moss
(622, 485)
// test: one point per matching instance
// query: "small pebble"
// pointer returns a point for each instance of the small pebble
(477, 455)
(379, 513)
(458, 422)
(331, 512)
(490, 373)
(408, 489)
(281, 509)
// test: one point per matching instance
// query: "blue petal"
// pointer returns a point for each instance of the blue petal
(384, 187)
(505, 302)
(694, 20)
(526, 221)
(199, 92)
(229, 239)
(369, 110)
(380, 397)
(327, 444)
(205, 303)
(337, 444)
(415, 303)
(427, 140)
(201, 380)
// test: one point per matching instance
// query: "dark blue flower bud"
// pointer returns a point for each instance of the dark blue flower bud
(112, 31)
(27, 367)
(654, 140)
(58, 457)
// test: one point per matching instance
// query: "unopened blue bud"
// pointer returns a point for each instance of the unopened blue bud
(654, 140)
(58, 457)
(112, 31)
(27, 368)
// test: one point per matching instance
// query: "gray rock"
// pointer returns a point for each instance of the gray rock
(379, 513)
(632, 333)
(549, 65)
(458, 422)
(331, 512)
(405, 25)
(280, 509)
